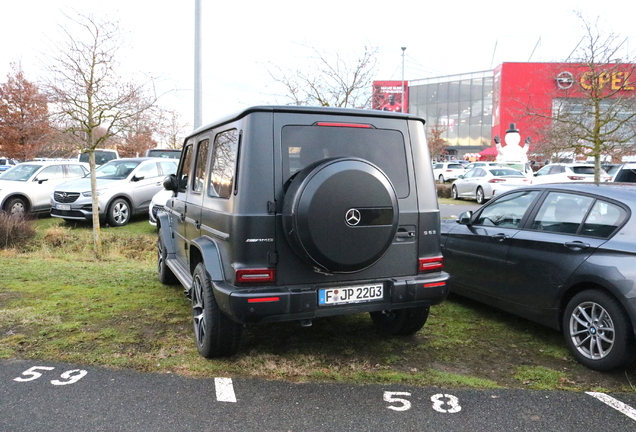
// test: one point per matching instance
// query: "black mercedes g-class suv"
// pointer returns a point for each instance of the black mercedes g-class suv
(284, 213)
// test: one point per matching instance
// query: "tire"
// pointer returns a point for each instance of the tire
(454, 193)
(598, 331)
(479, 196)
(340, 215)
(166, 276)
(440, 179)
(401, 322)
(16, 206)
(215, 334)
(119, 213)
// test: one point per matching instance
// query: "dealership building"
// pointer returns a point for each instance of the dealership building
(473, 108)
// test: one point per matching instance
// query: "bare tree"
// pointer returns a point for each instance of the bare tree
(597, 118)
(24, 122)
(87, 93)
(332, 80)
(171, 130)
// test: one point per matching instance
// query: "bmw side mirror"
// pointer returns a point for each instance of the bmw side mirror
(170, 183)
(464, 218)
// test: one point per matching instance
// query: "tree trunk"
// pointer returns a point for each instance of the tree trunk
(97, 240)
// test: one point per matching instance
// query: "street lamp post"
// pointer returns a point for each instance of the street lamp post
(403, 49)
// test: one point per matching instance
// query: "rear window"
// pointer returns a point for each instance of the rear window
(456, 166)
(164, 153)
(626, 175)
(583, 170)
(303, 145)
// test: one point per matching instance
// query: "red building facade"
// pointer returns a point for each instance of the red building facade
(525, 93)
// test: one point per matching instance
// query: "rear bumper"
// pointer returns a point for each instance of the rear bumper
(273, 304)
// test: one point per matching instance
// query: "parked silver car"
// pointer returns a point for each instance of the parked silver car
(483, 183)
(124, 188)
(27, 187)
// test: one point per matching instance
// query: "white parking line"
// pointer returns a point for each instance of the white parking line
(224, 390)
(616, 404)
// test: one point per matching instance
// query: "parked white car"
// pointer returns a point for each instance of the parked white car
(446, 171)
(483, 183)
(27, 187)
(567, 172)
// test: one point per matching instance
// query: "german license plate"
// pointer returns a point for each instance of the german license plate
(63, 206)
(353, 294)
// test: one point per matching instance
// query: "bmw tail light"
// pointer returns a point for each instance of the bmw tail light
(255, 275)
(430, 264)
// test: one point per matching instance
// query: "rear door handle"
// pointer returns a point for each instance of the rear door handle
(576, 245)
(501, 237)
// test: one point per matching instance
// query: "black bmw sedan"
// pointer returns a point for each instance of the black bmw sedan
(563, 255)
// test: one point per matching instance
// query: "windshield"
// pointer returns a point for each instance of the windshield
(115, 170)
(20, 172)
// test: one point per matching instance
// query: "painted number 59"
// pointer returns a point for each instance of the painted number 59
(68, 377)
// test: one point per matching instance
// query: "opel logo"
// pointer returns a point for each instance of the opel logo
(565, 80)
(352, 217)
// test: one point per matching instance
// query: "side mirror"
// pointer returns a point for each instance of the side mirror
(170, 183)
(40, 181)
(136, 179)
(461, 176)
(464, 218)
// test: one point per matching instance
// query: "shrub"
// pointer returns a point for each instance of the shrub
(443, 190)
(15, 231)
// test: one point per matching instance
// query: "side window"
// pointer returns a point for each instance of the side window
(603, 219)
(148, 170)
(184, 169)
(50, 173)
(562, 212)
(75, 171)
(223, 164)
(507, 212)
(201, 167)
(168, 168)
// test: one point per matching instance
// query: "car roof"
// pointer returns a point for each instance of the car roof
(299, 109)
(617, 191)
(44, 163)
(140, 159)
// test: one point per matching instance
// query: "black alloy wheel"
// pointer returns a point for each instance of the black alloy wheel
(216, 335)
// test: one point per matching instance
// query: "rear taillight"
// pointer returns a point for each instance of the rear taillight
(255, 275)
(496, 180)
(575, 178)
(263, 299)
(430, 264)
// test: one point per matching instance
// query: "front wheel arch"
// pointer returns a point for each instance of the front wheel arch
(8, 202)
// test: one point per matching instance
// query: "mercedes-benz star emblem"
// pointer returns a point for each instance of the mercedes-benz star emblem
(352, 217)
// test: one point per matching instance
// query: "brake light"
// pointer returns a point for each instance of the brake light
(430, 264)
(255, 275)
(263, 299)
(496, 180)
(576, 178)
(351, 125)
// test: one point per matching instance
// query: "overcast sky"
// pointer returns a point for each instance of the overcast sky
(241, 37)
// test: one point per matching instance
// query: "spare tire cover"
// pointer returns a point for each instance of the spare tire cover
(340, 214)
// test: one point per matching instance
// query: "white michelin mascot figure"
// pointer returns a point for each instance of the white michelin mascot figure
(512, 152)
